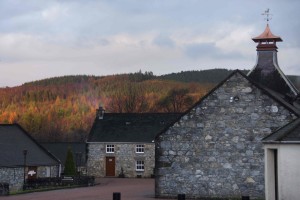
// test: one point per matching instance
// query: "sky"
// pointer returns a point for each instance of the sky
(48, 38)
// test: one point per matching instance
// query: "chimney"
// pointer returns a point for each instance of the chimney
(100, 112)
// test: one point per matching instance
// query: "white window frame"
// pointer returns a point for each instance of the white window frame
(140, 165)
(140, 148)
(110, 148)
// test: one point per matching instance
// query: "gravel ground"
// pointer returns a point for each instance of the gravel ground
(130, 189)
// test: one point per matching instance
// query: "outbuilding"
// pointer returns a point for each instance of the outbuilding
(22, 158)
(282, 163)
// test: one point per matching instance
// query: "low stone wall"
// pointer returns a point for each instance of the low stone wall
(125, 158)
(13, 176)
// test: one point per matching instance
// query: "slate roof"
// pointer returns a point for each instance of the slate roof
(130, 127)
(267, 91)
(13, 140)
(60, 150)
(287, 134)
(268, 73)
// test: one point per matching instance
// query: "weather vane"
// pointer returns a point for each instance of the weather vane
(268, 15)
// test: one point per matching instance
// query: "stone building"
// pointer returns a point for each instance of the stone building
(215, 148)
(20, 154)
(122, 144)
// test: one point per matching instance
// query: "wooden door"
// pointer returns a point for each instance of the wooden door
(32, 172)
(110, 166)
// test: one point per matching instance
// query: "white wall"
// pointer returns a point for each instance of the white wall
(288, 171)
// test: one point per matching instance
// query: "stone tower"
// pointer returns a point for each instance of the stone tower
(267, 71)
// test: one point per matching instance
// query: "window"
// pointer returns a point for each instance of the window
(140, 165)
(110, 148)
(48, 171)
(139, 148)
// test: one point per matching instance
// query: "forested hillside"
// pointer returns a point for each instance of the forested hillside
(63, 108)
(213, 76)
(205, 76)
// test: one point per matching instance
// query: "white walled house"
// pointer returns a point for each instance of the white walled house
(282, 163)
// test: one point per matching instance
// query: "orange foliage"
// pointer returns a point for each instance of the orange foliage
(63, 109)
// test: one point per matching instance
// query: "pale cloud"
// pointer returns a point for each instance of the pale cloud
(42, 38)
(163, 41)
(288, 59)
(236, 39)
(199, 50)
(55, 12)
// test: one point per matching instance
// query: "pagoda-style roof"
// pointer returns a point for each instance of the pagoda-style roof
(268, 73)
(267, 35)
(266, 70)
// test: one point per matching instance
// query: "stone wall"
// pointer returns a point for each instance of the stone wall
(215, 150)
(125, 157)
(15, 176)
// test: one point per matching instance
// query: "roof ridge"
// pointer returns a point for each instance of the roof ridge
(281, 102)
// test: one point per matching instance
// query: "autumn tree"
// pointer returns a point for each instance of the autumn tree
(130, 98)
(177, 100)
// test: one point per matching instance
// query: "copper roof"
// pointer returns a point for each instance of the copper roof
(267, 35)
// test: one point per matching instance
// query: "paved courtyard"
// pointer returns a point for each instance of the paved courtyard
(130, 189)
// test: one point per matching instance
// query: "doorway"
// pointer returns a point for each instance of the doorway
(271, 177)
(32, 172)
(276, 173)
(110, 166)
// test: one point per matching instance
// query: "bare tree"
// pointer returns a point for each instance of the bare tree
(177, 100)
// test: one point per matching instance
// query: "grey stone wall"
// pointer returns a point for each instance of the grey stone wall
(15, 176)
(125, 157)
(215, 150)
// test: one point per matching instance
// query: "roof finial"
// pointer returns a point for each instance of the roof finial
(268, 15)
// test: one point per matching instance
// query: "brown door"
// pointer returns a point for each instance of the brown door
(110, 166)
(32, 172)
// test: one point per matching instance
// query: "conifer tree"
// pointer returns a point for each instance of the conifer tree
(70, 168)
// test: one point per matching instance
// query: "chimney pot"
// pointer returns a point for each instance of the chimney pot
(100, 112)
